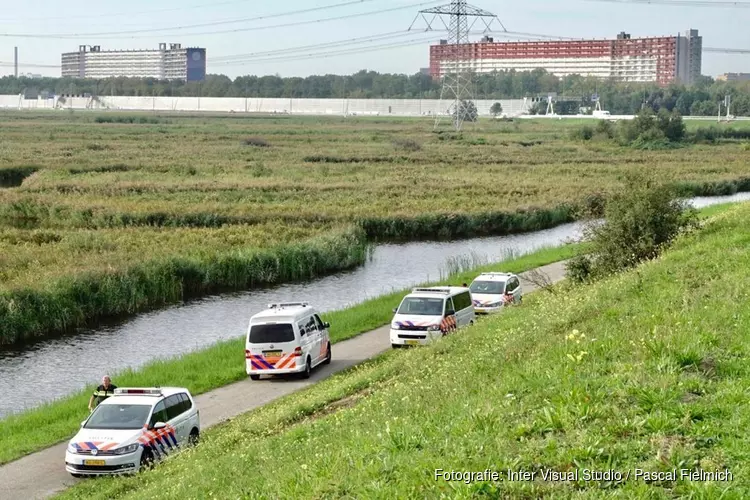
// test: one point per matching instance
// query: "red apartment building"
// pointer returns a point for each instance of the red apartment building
(663, 60)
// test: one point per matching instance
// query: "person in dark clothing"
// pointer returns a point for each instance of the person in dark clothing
(105, 390)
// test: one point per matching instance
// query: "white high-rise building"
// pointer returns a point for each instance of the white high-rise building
(171, 62)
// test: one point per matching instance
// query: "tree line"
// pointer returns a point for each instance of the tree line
(702, 98)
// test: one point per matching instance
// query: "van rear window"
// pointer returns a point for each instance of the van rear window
(266, 334)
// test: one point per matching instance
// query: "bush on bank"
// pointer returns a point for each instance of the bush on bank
(639, 223)
(71, 302)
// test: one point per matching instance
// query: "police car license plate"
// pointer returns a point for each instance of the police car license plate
(93, 462)
(272, 354)
(412, 342)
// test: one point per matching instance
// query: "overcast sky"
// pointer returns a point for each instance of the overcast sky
(720, 27)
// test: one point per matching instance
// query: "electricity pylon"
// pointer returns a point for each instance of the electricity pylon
(455, 68)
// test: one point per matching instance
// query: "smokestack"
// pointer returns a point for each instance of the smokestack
(15, 59)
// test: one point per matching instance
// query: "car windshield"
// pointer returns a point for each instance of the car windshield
(118, 417)
(421, 306)
(488, 287)
(268, 334)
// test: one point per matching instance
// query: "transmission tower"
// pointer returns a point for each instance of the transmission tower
(457, 76)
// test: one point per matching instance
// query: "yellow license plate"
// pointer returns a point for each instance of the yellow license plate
(272, 354)
(412, 342)
(93, 462)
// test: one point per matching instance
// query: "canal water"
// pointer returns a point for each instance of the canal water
(64, 365)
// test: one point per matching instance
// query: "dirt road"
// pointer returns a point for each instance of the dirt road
(42, 474)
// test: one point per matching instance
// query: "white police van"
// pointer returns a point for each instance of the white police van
(131, 429)
(429, 313)
(286, 338)
(492, 291)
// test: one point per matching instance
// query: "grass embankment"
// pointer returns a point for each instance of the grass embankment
(218, 365)
(63, 301)
(643, 370)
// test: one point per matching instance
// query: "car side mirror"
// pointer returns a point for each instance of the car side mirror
(82, 424)
(326, 325)
(159, 425)
(395, 309)
(302, 331)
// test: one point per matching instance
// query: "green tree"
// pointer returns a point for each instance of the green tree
(496, 109)
(467, 110)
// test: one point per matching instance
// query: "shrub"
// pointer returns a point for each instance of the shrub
(406, 144)
(640, 221)
(650, 131)
(467, 110)
(578, 269)
(584, 133)
(712, 134)
(606, 129)
(256, 142)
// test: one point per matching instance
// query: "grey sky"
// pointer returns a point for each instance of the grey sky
(720, 27)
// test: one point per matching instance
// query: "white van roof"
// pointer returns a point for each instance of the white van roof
(284, 311)
(438, 291)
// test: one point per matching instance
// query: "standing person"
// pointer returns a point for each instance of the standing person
(105, 390)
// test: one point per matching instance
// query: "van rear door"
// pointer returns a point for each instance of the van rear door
(273, 343)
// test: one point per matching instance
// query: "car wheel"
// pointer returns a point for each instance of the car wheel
(308, 368)
(396, 346)
(254, 377)
(147, 459)
(194, 437)
(77, 476)
(328, 355)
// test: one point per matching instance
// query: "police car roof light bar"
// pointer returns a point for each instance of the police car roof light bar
(145, 392)
(436, 290)
(288, 304)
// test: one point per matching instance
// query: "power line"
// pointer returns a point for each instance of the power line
(117, 35)
(316, 55)
(726, 51)
(358, 40)
(681, 3)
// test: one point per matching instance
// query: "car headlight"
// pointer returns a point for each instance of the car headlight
(495, 304)
(72, 448)
(131, 448)
(433, 328)
(395, 326)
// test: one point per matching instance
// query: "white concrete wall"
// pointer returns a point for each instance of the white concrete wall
(363, 107)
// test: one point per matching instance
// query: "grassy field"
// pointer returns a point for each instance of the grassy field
(646, 370)
(218, 365)
(204, 189)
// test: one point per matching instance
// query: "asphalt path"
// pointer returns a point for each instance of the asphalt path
(42, 474)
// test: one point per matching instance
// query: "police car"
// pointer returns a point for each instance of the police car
(491, 291)
(132, 429)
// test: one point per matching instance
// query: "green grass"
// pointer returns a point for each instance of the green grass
(644, 370)
(218, 365)
(85, 196)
